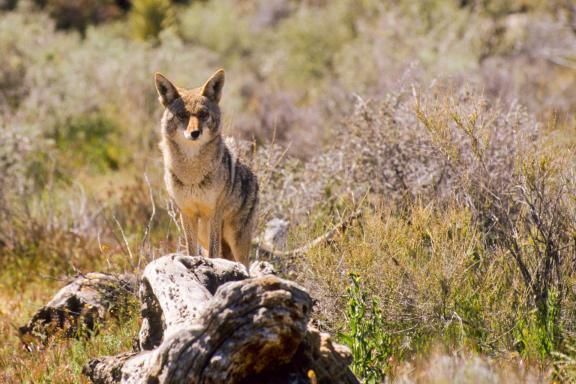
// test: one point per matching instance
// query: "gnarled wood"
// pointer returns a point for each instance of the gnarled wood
(175, 289)
(209, 321)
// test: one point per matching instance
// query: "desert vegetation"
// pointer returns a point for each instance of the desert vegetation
(450, 125)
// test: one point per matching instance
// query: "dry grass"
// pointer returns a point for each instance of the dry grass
(468, 368)
(62, 361)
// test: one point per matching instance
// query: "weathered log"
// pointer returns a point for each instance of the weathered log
(78, 307)
(174, 291)
(208, 321)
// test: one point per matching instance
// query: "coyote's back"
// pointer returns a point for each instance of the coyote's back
(217, 194)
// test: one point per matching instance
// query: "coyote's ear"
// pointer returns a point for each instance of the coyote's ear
(213, 87)
(166, 90)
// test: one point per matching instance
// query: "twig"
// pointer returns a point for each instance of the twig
(125, 241)
(269, 248)
(146, 237)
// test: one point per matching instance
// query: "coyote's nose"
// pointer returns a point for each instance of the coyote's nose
(194, 135)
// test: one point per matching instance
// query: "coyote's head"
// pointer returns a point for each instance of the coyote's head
(191, 116)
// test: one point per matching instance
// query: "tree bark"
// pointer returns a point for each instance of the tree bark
(210, 321)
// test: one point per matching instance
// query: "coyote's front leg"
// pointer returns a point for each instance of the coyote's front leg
(215, 234)
(190, 226)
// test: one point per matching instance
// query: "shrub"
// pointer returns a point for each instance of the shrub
(88, 141)
(218, 26)
(12, 73)
(519, 197)
(422, 263)
(8, 4)
(371, 346)
(537, 333)
(150, 17)
(79, 14)
(307, 42)
(15, 150)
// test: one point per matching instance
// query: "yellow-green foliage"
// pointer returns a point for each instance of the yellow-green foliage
(218, 26)
(434, 278)
(94, 139)
(150, 17)
(502, 8)
(367, 338)
(307, 42)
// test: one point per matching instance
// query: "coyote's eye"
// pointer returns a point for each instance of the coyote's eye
(182, 115)
(202, 114)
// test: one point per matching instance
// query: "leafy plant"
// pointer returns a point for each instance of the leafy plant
(150, 17)
(538, 334)
(311, 40)
(89, 140)
(370, 344)
(218, 26)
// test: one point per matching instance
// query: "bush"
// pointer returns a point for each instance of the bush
(15, 150)
(537, 334)
(519, 197)
(218, 26)
(371, 346)
(8, 4)
(79, 14)
(303, 51)
(150, 17)
(89, 141)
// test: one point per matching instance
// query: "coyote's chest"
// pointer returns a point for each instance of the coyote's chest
(192, 176)
(193, 199)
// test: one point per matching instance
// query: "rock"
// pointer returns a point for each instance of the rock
(276, 234)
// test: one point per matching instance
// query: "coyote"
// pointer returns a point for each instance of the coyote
(217, 195)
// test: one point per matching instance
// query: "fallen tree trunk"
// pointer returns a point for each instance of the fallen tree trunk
(78, 307)
(209, 321)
